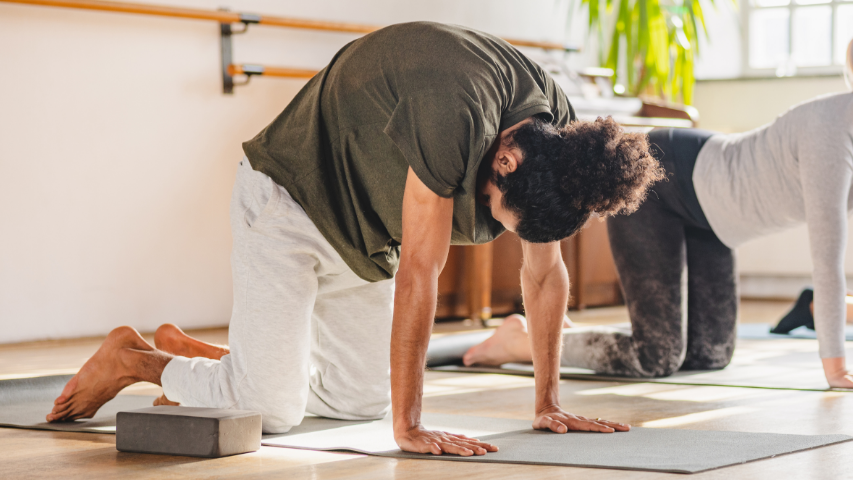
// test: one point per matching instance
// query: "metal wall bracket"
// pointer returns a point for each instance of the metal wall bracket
(226, 56)
(226, 31)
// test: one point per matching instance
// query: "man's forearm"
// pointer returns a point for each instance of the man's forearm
(545, 302)
(414, 310)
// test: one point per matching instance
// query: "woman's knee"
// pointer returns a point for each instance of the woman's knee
(662, 359)
(664, 368)
(708, 357)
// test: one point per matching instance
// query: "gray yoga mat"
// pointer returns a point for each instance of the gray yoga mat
(25, 402)
(661, 450)
(449, 349)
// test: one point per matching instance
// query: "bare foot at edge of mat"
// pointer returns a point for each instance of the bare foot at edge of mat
(171, 339)
(508, 344)
(100, 379)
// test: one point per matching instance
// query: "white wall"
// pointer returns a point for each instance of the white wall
(118, 151)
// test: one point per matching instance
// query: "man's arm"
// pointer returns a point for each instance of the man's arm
(427, 223)
(545, 288)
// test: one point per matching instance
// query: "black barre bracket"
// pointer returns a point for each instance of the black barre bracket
(227, 53)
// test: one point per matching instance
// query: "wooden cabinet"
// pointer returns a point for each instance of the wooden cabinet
(484, 280)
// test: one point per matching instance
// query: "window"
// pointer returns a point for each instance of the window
(789, 37)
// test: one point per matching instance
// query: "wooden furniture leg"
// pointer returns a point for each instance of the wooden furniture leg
(478, 273)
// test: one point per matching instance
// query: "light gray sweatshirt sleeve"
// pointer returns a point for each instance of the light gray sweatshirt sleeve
(826, 173)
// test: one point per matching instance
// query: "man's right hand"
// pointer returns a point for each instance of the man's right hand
(421, 440)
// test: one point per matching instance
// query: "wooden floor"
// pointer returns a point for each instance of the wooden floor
(28, 454)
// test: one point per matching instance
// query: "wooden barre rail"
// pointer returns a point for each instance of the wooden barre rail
(235, 17)
(251, 69)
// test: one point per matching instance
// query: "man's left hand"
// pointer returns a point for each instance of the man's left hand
(558, 420)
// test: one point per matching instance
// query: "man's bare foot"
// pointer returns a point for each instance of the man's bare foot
(114, 366)
(162, 400)
(172, 339)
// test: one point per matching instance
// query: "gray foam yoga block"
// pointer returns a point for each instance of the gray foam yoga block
(195, 432)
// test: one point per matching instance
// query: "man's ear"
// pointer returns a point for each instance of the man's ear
(507, 160)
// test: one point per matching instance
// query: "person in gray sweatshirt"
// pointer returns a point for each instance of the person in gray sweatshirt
(675, 255)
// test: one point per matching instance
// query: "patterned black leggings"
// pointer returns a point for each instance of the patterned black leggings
(678, 279)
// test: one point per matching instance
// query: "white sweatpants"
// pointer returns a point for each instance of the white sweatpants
(306, 333)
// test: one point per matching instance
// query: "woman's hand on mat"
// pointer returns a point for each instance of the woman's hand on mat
(421, 440)
(558, 420)
(836, 373)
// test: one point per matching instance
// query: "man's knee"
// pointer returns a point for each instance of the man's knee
(280, 420)
(354, 404)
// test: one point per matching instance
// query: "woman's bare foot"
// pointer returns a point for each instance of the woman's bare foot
(172, 339)
(510, 343)
(117, 364)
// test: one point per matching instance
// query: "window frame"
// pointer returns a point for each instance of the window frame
(749, 71)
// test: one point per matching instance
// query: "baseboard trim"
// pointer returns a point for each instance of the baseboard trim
(774, 287)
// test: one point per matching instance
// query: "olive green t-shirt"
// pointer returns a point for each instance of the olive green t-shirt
(428, 96)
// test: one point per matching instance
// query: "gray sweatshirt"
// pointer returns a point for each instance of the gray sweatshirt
(797, 169)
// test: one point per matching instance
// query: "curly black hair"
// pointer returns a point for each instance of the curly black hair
(567, 174)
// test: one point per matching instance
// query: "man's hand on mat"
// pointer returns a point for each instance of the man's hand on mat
(421, 440)
(558, 420)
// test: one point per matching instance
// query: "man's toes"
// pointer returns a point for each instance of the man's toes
(61, 409)
(67, 391)
(59, 413)
(79, 415)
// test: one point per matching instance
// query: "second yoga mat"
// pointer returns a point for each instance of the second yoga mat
(777, 361)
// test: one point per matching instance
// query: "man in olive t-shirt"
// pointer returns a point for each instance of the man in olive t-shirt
(424, 96)
(418, 136)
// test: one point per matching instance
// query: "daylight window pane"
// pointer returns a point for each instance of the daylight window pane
(771, 3)
(768, 37)
(843, 31)
(811, 2)
(812, 36)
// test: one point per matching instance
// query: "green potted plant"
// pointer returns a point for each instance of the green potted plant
(656, 41)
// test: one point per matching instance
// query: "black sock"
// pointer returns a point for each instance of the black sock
(800, 315)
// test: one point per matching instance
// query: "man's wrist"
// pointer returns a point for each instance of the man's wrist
(547, 401)
(548, 408)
